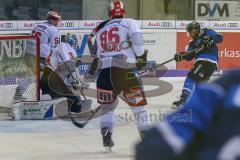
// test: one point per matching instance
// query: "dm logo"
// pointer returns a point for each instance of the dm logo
(213, 9)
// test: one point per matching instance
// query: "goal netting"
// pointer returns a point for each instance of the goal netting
(19, 69)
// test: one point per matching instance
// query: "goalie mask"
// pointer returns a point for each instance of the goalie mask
(116, 9)
(70, 39)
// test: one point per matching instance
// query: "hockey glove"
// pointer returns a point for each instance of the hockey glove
(75, 84)
(142, 60)
(77, 81)
(178, 57)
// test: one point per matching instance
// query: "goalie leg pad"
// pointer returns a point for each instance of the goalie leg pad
(52, 84)
(202, 71)
(41, 110)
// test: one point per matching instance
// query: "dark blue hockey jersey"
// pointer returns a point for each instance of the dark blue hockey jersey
(209, 54)
(210, 131)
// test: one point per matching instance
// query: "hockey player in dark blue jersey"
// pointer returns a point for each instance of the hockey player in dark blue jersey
(205, 51)
(211, 131)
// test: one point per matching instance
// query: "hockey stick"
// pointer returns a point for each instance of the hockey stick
(82, 125)
(168, 61)
(142, 73)
(195, 51)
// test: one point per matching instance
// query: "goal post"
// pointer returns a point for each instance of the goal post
(19, 69)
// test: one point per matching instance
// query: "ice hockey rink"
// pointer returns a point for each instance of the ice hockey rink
(60, 140)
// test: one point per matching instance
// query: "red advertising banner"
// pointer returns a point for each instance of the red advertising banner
(229, 50)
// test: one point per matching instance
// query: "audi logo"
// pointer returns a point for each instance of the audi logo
(69, 24)
(166, 24)
(8, 25)
(233, 24)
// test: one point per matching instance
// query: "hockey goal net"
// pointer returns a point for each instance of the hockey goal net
(19, 69)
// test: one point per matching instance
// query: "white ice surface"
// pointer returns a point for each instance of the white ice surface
(60, 140)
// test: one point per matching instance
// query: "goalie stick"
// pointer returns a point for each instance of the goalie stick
(82, 125)
(93, 112)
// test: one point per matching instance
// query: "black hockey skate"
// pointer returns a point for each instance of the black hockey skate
(178, 104)
(107, 139)
(183, 99)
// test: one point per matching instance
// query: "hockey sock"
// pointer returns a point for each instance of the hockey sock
(107, 112)
(189, 84)
(141, 118)
(107, 121)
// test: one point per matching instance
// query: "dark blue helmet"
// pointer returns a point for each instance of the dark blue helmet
(193, 25)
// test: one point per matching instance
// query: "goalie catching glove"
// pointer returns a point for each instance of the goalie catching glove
(77, 81)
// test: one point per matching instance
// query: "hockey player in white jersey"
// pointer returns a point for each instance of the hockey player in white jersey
(49, 39)
(120, 52)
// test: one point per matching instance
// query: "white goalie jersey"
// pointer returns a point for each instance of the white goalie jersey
(63, 53)
(65, 62)
(117, 39)
(49, 38)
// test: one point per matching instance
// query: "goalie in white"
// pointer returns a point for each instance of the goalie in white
(61, 79)
(64, 63)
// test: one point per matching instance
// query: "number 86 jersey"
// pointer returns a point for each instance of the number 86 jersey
(121, 40)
